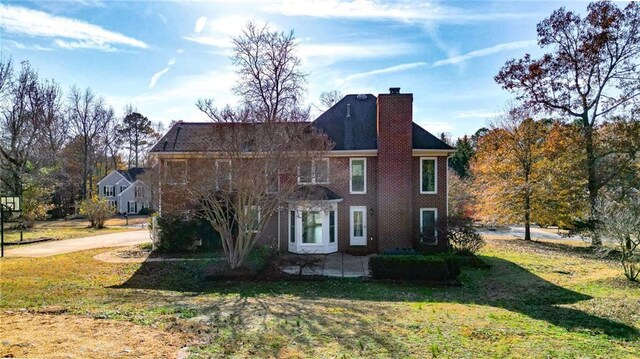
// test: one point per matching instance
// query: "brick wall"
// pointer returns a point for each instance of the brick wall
(395, 185)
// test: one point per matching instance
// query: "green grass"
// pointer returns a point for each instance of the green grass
(537, 300)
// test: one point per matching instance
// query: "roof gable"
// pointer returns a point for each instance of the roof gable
(111, 179)
(351, 123)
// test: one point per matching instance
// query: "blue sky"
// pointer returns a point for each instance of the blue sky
(162, 56)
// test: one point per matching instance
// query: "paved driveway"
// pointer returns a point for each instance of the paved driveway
(78, 244)
(536, 233)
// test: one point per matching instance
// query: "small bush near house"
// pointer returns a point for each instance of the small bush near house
(439, 267)
(462, 237)
(96, 210)
(144, 212)
(178, 232)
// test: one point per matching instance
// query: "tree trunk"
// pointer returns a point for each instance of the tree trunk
(85, 170)
(527, 216)
(592, 182)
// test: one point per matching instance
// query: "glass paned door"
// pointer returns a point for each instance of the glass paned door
(358, 226)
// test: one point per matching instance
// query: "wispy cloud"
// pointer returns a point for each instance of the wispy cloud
(477, 114)
(455, 60)
(21, 46)
(69, 33)
(200, 24)
(407, 11)
(218, 32)
(158, 75)
(386, 70)
(353, 50)
(484, 52)
(214, 41)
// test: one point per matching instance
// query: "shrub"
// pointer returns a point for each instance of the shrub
(96, 210)
(144, 211)
(464, 239)
(415, 267)
(177, 232)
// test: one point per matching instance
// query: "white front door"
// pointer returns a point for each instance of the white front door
(358, 226)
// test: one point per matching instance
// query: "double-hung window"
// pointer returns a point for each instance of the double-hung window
(428, 175)
(358, 175)
(314, 171)
(252, 214)
(428, 226)
(108, 191)
(133, 207)
(223, 175)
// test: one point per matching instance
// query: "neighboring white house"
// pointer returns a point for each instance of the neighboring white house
(124, 192)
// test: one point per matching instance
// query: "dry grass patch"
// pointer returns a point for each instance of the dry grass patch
(65, 336)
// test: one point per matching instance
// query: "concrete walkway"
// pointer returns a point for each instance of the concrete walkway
(52, 248)
(335, 265)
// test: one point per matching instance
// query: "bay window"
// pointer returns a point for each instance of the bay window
(312, 229)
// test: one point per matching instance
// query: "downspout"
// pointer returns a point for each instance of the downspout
(279, 241)
(447, 202)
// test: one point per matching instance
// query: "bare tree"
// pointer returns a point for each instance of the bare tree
(591, 72)
(20, 125)
(254, 172)
(329, 98)
(88, 118)
(620, 224)
(270, 80)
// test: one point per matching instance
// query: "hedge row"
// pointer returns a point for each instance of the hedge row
(178, 232)
(415, 267)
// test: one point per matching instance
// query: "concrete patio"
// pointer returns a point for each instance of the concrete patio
(331, 265)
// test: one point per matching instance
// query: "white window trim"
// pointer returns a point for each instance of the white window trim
(435, 174)
(435, 218)
(183, 178)
(259, 217)
(313, 172)
(351, 191)
(365, 234)
(325, 247)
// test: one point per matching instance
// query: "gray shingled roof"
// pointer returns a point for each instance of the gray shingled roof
(313, 193)
(132, 173)
(358, 131)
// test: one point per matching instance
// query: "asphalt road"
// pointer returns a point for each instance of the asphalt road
(52, 248)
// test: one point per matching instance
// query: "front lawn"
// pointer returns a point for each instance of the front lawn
(538, 300)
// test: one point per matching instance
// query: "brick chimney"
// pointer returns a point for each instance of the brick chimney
(395, 175)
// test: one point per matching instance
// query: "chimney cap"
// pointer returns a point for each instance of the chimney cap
(394, 90)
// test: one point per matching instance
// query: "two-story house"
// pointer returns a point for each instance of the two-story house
(394, 191)
(125, 191)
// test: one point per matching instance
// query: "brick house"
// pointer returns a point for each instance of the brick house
(395, 187)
